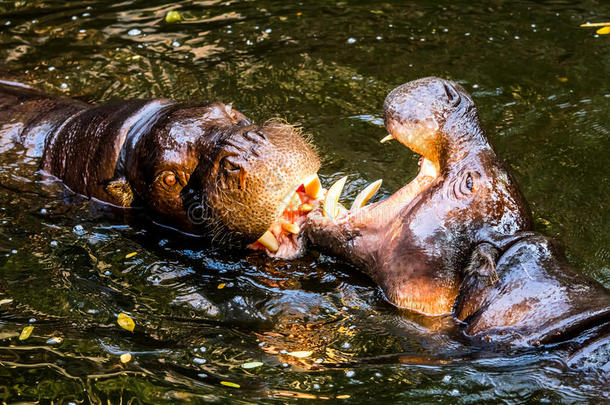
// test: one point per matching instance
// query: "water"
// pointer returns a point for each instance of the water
(541, 85)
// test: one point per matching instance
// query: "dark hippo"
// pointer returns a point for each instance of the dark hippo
(195, 167)
(458, 239)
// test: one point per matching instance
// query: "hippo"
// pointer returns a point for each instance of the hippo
(199, 168)
(459, 239)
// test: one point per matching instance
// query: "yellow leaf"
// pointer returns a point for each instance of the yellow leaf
(229, 384)
(252, 364)
(130, 255)
(300, 354)
(562, 79)
(603, 31)
(342, 396)
(172, 16)
(125, 322)
(221, 286)
(125, 358)
(26, 332)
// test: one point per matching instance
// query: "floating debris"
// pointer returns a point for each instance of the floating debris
(26, 332)
(172, 16)
(300, 354)
(229, 384)
(345, 396)
(252, 364)
(126, 322)
(125, 358)
(221, 286)
(603, 31)
(5, 301)
(130, 255)
(55, 340)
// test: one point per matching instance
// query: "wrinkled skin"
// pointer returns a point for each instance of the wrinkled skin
(458, 238)
(198, 168)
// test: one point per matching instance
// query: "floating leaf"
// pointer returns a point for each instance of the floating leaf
(6, 301)
(125, 358)
(221, 286)
(130, 255)
(562, 79)
(55, 340)
(229, 384)
(300, 354)
(345, 396)
(172, 16)
(126, 322)
(603, 31)
(26, 332)
(252, 364)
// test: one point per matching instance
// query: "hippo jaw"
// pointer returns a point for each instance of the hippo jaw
(415, 243)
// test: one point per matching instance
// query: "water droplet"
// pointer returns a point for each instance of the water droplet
(43, 211)
(133, 32)
(268, 31)
(175, 44)
(53, 243)
(350, 373)
(51, 68)
(199, 360)
(378, 37)
(351, 40)
(63, 86)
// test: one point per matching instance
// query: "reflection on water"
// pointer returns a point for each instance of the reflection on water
(320, 329)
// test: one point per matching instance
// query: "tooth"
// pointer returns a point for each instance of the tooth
(295, 201)
(305, 207)
(312, 186)
(292, 228)
(269, 241)
(332, 198)
(387, 138)
(365, 195)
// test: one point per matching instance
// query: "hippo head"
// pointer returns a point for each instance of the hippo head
(208, 169)
(415, 244)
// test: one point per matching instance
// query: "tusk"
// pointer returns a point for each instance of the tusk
(292, 228)
(365, 195)
(269, 241)
(387, 138)
(312, 186)
(332, 198)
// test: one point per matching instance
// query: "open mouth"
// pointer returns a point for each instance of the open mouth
(284, 239)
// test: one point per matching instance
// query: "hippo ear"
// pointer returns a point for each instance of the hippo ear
(120, 192)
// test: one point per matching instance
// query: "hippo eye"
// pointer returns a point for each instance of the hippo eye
(469, 182)
(169, 179)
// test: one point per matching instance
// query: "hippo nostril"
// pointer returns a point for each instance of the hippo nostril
(243, 123)
(452, 95)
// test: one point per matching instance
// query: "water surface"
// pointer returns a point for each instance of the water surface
(541, 85)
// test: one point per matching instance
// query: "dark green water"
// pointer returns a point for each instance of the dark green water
(542, 85)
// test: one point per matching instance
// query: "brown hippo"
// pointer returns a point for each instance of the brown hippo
(458, 239)
(195, 167)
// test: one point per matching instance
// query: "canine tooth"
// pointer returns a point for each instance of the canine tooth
(332, 198)
(292, 228)
(365, 195)
(269, 241)
(305, 207)
(387, 138)
(312, 186)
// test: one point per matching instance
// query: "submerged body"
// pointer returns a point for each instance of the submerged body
(195, 167)
(458, 239)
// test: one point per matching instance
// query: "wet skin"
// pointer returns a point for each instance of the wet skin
(458, 239)
(200, 168)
